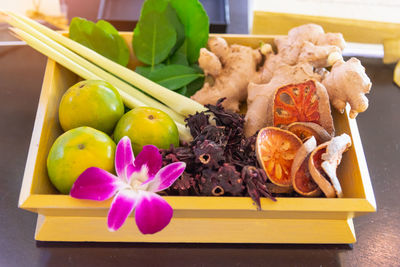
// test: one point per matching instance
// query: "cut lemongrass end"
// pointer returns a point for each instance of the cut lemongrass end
(184, 133)
(141, 98)
(175, 101)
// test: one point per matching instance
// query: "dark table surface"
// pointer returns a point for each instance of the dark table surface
(378, 234)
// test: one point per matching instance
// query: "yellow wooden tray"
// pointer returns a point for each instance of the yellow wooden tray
(353, 30)
(196, 219)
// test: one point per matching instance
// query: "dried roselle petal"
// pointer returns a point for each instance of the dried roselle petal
(230, 180)
(253, 193)
(226, 118)
(208, 154)
(220, 159)
(212, 133)
(183, 153)
(255, 180)
(183, 186)
(171, 158)
(243, 154)
(197, 123)
(226, 181)
(208, 184)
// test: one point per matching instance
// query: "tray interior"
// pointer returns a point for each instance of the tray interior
(354, 180)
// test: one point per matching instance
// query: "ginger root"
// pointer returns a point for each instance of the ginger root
(306, 43)
(302, 55)
(232, 68)
(348, 83)
(260, 96)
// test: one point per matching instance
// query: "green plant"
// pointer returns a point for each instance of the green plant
(168, 38)
(101, 37)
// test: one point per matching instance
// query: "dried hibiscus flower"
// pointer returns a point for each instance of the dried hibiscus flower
(220, 160)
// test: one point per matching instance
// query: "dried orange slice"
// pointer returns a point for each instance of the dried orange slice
(276, 149)
(305, 130)
(302, 102)
(296, 102)
(318, 174)
(302, 181)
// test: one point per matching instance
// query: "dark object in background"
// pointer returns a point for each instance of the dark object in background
(124, 14)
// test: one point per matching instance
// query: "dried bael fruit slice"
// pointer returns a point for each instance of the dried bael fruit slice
(305, 130)
(301, 177)
(323, 163)
(317, 173)
(276, 189)
(276, 149)
(334, 151)
(302, 102)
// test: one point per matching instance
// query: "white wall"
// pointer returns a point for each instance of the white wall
(49, 7)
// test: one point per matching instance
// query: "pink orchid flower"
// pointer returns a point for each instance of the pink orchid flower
(135, 186)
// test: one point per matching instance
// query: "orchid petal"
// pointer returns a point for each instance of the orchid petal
(152, 213)
(122, 205)
(95, 184)
(124, 159)
(166, 177)
(149, 157)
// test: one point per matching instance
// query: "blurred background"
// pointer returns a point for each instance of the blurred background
(21, 76)
(235, 16)
(226, 16)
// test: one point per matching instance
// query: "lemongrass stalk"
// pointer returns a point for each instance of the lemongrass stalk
(184, 133)
(119, 84)
(67, 63)
(175, 101)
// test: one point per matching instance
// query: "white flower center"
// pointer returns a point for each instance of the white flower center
(138, 178)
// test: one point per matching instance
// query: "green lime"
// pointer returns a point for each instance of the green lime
(76, 150)
(147, 126)
(91, 103)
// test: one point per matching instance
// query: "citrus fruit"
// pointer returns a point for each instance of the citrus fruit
(296, 102)
(302, 181)
(324, 161)
(276, 149)
(91, 103)
(305, 130)
(302, 102)
(147, 126)
(75, 151)
(318, 174)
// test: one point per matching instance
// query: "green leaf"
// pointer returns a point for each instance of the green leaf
(180, 30)
(197, 68)
(182, 90)
(146, 70)
(101, 37)
(153, 5)
(174, 76)
(154, 37)
(159, 33)
(194, 86)
(163, 6)
(195, 20)
(180, 57)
